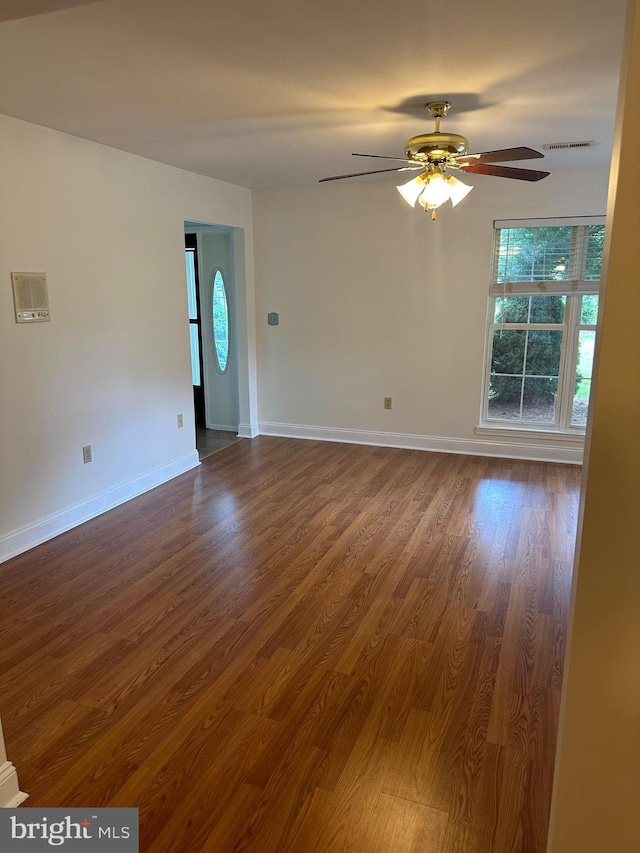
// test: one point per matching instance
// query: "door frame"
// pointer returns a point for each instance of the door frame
(199, 399)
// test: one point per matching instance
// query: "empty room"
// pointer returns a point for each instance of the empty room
(319, 457)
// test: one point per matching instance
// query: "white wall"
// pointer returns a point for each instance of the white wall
(377, 300)
(111, 369)
(221, 389)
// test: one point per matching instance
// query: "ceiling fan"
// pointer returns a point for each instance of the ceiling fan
(434, 153)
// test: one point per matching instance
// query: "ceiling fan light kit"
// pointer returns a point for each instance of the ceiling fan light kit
(434, 153)
(432, 189)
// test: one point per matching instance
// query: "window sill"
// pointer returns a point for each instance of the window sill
(558, 435)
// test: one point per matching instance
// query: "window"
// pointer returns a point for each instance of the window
(220, 321)
(192, 300)
(543, 309)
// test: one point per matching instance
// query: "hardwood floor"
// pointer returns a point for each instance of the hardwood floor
(301, 647)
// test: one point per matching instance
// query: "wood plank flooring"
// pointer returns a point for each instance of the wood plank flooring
(302, 647)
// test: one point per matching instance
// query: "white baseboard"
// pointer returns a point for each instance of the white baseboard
(10, 794)
(499, 447)
(224, 427)
(248, 430)
(19, 541)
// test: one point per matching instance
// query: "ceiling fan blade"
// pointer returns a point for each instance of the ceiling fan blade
(375, 172)
(382, 157)
(501, 156)
(503, 171)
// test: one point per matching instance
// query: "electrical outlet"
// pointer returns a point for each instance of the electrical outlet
(387, 402)
(86, 453)
(180, 420)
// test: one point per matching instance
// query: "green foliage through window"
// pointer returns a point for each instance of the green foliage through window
(534, 254)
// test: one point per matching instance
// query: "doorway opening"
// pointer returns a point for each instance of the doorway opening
(213, 311)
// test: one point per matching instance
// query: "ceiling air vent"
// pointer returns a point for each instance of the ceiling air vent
(561, 146)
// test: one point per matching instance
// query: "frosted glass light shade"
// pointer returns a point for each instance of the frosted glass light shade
(411, 190)
(457, 190)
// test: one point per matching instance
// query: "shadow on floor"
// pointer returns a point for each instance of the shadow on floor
(209, 441)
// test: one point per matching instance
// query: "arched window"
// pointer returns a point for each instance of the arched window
(220, 321)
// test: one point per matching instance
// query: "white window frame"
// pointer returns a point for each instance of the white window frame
(574, 289)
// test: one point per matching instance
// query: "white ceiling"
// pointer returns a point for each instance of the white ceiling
(267, 94)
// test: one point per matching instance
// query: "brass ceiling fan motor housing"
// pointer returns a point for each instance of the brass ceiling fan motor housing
(436, 147)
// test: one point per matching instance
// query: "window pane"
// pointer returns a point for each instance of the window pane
(189, 256)
(539, 400)
(589, 312)
(511, 309)
(220, 321)
(504, 398)
(195, 353)
(584, 373)
(595, 245)
(543, 352)
(534, 254)
(586, 346)
(581, 402)
(547, 309)
(531, 397)
(529, 309)
(507, 355)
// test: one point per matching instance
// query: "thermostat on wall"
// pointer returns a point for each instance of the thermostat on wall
(30, 297)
